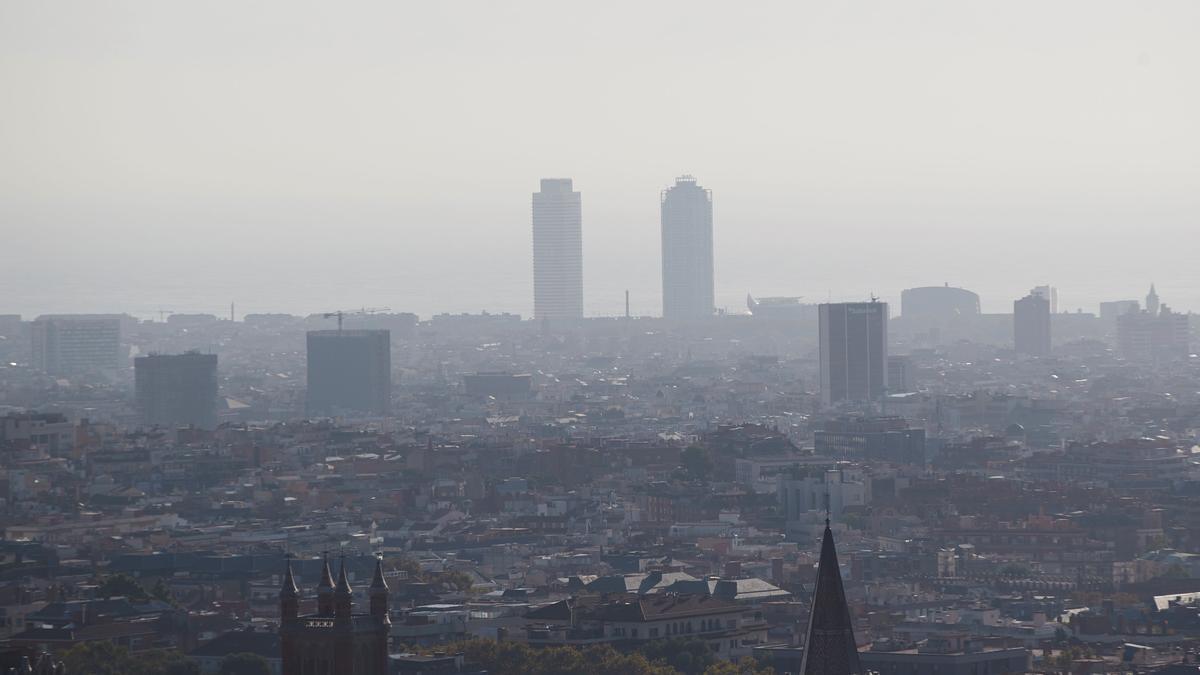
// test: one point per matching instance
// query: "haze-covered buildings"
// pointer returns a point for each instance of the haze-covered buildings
(687, 250)
(853, 351)
(177, 390)
(349, 371)
(557, 251)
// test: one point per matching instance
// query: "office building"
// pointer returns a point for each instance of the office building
(73, 344)
(1050, 295)
(499, 386)
(687, 251)
(557, 251)
(1111, 310)
(901, 376)
(349, 372)
(1031, 325)
(889, 439)
(1153, 336)
(936, 304)
(853, 337)
(177, 390)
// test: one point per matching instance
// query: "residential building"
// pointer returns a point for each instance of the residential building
(1159, 335)
(74, 344)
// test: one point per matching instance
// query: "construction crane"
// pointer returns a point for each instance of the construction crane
(353, 312)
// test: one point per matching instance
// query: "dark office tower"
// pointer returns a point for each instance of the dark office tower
(349, 371)
(177, 391)
(1031, 325)
(853, 351)
(557, 251)
(71, 344)
(687, 250)
(830, 648)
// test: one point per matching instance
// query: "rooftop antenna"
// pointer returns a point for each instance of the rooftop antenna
(627, 303)
(231, 312)
(827, 507)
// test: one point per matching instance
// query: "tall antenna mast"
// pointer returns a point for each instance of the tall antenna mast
(626, 303)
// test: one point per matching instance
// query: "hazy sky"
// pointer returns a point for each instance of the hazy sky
(307, 156)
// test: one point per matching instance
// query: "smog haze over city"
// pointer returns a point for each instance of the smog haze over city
(292, 156)
(637, 338)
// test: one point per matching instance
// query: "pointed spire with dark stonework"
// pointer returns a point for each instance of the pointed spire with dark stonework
(830, 648)
(325, 590)
(343, 594)
(379, 591)
(289, 593)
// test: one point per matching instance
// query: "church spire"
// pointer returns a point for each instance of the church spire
(378, 591)
(325, 590)
(343, 594)
(830, 648)
(289, 593)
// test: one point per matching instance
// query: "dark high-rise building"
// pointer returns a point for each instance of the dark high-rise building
(177, 390)
(687, 250)
(72, 344)
(854, 359)
(335, 640)
(830, 648)
(349, 371)
(557, 251)
(1031, 325)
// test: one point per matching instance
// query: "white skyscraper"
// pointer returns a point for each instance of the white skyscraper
(687, 250)
(557, 251)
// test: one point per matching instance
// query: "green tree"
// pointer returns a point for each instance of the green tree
(161, 592)
(514, 658)
(244, 663)
(459, 581)
(116, 585)
(696, 462)
(162, 662)
(1176, 571)
(687, 655)
(747, 666)
(97, 658)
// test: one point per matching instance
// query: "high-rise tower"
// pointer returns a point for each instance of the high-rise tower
(557, 251)
(1031, 325)
(349, 371)
(853, 343)
(177, 390)
(687, 250)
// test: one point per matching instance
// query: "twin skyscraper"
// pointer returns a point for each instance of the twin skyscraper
(687, 251)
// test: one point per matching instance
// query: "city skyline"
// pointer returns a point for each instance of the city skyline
(355, 197)
(874, 355)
